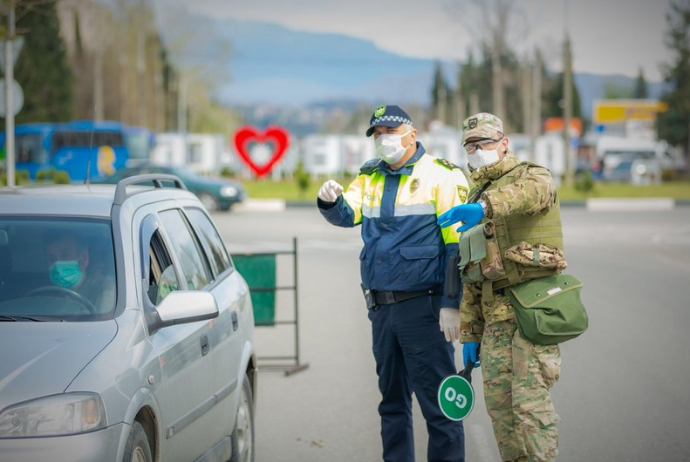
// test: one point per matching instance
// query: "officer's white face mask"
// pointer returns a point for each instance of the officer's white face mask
(481, 158)
(389, 147)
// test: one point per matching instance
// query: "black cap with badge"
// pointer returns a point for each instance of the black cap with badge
(388, 116)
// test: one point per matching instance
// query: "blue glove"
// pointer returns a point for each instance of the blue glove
(471, 214)
(470, 352)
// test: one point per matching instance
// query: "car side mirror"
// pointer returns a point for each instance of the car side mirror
(186, 306)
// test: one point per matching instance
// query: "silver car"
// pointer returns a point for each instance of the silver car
(125, 332)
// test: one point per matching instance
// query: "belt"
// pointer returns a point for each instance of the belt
(386, 298)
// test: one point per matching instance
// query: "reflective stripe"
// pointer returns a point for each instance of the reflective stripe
(400, 210)
(415, 209)
(371, 212)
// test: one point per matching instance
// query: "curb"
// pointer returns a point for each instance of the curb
(260, 205)
(623, 204)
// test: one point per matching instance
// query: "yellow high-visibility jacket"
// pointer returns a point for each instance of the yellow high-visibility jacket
(404, 248)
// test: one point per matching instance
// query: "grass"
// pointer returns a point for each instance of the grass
(673, 190)
(288, 190)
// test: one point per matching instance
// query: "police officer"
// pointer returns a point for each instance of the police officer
(396, 198)
(514, 207)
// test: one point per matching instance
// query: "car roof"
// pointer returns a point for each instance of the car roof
(77, 200)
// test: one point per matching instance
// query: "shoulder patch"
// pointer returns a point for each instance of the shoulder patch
(462, 193)
(447, 164)
(369, 167)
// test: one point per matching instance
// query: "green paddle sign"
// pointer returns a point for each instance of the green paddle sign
(456, 397)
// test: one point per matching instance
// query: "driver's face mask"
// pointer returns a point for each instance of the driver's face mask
(65, 273)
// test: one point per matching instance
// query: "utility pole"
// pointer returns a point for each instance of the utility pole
(567, 110)
(497, 77)
(181, 104)
(526, 90)
(9, 80)
(141, 64)
(535, 130)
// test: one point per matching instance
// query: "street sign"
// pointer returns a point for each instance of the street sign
(612, 111)
(17, 44)
(456, 397)
(17, 98)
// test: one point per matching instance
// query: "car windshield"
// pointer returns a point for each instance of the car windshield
(56, 269)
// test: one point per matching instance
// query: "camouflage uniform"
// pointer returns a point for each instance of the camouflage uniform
(517, 374)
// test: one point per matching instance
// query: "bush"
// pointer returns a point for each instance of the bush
(227, 172)
(20, 177)
(54, 176)
(584, 182)
(302, 177)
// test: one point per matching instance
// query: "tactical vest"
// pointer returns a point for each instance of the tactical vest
(483, 247)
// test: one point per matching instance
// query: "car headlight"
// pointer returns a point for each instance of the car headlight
(228, 191)
(54, 415)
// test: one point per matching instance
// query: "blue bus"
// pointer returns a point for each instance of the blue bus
(75, 147)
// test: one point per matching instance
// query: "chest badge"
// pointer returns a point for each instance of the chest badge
(414, 185)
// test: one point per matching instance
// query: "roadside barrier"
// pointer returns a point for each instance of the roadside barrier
(260, 272)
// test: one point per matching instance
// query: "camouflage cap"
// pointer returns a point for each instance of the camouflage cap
(482, 125)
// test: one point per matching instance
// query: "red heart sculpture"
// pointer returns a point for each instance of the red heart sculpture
(278, 135)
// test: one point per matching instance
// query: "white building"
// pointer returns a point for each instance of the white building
(202, 153)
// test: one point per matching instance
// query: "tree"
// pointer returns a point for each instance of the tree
(553, 97)
(439, 95)
(42, 68)
(640, 89)
(673, 125)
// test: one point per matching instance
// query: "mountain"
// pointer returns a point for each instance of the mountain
(272, 65)
(593, 86)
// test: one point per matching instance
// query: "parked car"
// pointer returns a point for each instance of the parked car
(214, 192)
(126, 333)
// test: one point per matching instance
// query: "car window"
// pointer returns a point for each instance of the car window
(187, 249)
(161, 278)
(219, 259)
(59, 268)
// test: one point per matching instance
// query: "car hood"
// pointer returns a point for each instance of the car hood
(41, 359)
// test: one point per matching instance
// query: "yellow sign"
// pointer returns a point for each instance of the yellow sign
(611, 111)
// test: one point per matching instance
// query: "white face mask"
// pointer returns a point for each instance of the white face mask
(480, 158)
(389, 148)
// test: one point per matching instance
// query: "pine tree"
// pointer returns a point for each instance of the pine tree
(553, 97)
(673, 125)
(42, 68)
(640, 90)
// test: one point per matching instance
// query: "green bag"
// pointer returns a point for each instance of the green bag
(549, 310)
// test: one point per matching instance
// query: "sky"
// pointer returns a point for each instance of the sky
(607, 36)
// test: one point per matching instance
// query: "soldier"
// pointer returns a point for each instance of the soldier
(514, 212)
(396, 199)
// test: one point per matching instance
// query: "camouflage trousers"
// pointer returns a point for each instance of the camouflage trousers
(517, 378)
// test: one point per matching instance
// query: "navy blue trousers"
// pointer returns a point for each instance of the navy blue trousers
(412, 355)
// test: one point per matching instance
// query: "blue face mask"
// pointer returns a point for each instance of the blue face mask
(65, 273)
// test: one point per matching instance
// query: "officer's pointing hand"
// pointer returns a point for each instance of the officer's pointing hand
(330, 191)
(470, 214)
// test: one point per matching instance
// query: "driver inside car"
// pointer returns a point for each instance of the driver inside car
(70, 268)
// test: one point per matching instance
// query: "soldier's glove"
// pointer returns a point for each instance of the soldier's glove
(470, 214)
(470, 353)
(330, 191)
(449, 323)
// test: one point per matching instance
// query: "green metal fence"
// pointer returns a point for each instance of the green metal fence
(260, 272)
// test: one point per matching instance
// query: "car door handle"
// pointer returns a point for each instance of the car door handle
(235, 322)
(204, 345)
